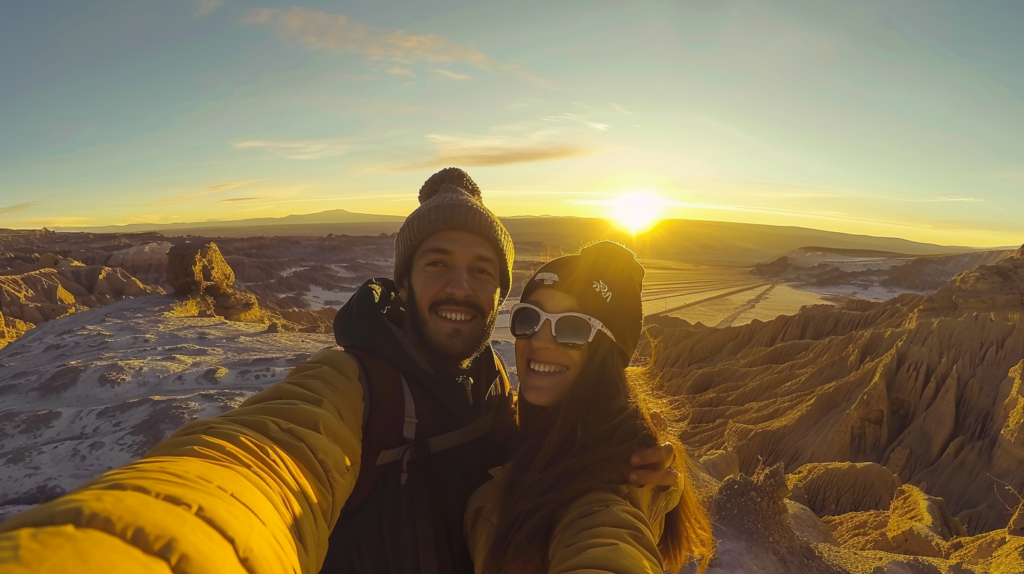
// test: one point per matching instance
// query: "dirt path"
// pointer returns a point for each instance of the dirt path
(712, 298)
(749, 305)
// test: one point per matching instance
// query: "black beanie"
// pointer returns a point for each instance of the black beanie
(607, 281)
(450, 199)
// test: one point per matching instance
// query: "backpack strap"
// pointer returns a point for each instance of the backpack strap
(409, 427)
(389, 414)
(423, 448)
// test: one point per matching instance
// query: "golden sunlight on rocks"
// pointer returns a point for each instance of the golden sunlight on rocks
(901, 423)
(55, 287)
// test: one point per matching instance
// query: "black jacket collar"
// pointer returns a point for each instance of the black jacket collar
(371, 321)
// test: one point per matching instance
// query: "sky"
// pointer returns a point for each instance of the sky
(883, 117)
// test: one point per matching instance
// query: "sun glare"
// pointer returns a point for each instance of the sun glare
(638, 212)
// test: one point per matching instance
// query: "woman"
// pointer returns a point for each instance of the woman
(561, 504)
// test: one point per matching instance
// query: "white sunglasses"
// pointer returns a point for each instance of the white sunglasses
(570, 330)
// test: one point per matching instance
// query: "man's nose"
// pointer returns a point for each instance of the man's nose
(458, 285)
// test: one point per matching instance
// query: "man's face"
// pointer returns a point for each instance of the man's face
(451, 294)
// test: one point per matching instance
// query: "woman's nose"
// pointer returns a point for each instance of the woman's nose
(542, 336)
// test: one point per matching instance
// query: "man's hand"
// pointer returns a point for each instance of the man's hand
(653, 466)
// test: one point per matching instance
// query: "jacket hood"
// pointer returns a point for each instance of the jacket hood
(363, 322)
(372, 321)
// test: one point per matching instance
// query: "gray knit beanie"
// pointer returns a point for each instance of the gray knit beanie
(450, 199)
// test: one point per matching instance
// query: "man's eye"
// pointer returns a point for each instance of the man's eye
(434, 264)
(486, 272)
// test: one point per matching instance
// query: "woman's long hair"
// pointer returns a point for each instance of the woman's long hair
(581, 444)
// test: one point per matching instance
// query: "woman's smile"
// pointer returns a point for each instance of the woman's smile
(546, 368)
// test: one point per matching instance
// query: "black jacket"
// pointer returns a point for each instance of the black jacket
(392, 528)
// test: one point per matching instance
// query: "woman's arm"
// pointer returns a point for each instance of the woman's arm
(254, 490)
(605, 532)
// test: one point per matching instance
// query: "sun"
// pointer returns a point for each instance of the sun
(637, 212)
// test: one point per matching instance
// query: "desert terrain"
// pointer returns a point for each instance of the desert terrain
(854, 405)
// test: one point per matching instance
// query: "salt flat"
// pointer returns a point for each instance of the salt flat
(718, 296)
(97, 389)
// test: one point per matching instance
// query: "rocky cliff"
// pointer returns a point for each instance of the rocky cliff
(872, 274)
(928, 388)
(287, 283)
(53, 287)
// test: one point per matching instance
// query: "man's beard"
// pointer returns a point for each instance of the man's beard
(460, 350)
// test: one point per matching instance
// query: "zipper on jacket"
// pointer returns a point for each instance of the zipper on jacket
(467, 383)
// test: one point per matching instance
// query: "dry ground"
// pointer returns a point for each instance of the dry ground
(718, 296)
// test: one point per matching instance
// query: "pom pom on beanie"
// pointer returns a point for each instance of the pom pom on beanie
(452, 176)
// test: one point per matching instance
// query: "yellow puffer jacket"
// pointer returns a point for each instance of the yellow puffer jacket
(255, 490)
(611, 530)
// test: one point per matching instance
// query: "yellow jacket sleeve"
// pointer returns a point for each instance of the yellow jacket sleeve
(255, 490)
(613, 530)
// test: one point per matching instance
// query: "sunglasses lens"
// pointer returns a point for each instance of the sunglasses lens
(524, 322)
(572, 332)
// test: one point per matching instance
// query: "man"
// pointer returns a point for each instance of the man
(375, 447)
(431, 327)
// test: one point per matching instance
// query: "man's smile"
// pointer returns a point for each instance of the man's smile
(456, 315)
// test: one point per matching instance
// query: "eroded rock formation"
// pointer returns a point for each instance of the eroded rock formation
(822, 266)
(759, 528)
(914, 524)
(54, 287)
(831, 488)
(194, 268)
(146, 262)
(199, 272)
(927, 386)
(298, 282)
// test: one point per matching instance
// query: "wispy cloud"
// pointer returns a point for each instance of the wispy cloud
(400, 71)
(209, 190)
(300, 149)
(620, 108)
(937, 199)
(318, 30)
(499, 150)
(229, 185)
(451, 74)
(204, 7)
(578, 118)
(760, 189)
(18, 207)
(236, 199)
(324, 31)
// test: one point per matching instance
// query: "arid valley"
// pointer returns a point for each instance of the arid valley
(855, 404)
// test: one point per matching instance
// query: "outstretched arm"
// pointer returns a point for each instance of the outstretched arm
(255, 490)
(612, 532)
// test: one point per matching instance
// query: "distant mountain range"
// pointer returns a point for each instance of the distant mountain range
(332, 217)
(676, 239)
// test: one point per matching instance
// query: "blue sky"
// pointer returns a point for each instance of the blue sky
(902, 118)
